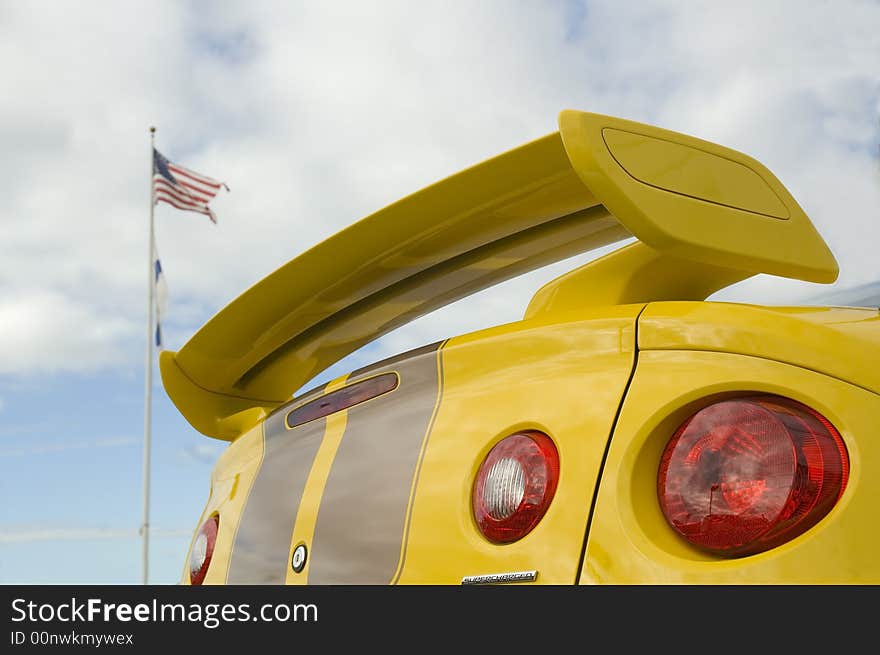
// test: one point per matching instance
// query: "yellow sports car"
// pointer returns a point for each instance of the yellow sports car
(624, 431)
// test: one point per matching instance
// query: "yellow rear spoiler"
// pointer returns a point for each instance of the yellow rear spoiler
(705, 216)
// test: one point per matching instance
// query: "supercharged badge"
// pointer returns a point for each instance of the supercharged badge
(501, 578)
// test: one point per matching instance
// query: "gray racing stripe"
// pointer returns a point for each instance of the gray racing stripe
(360, 523)
(262, 543)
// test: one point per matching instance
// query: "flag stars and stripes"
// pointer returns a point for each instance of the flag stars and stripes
(183, 188)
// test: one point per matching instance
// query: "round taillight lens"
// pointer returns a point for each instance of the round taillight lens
(747, 474)
(515, 485)
(203, 549)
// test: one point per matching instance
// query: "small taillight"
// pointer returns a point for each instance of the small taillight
(203, 549)
(515, 485)
(745, 475)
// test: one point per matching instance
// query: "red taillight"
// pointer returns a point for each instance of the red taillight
(745, 475)
(203, 549)
(515, 485)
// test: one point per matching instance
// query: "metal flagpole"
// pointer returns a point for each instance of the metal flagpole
(148, 388)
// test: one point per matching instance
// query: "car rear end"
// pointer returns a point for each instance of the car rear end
(625, 431)
(650, 453)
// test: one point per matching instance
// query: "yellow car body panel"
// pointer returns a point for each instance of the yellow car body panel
(630, 541)
(843, 342)
(608, 360)
(565, 379)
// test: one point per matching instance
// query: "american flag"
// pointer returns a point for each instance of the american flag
(183, 188)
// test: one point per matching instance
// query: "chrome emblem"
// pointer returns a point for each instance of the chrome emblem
(298, 561)
(501, 578)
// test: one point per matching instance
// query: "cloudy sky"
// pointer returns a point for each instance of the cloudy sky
(316, 114)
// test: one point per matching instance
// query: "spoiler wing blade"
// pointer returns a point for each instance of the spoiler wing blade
(597, 181)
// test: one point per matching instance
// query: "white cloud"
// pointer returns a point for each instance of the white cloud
(45, 330)
(319, 114)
